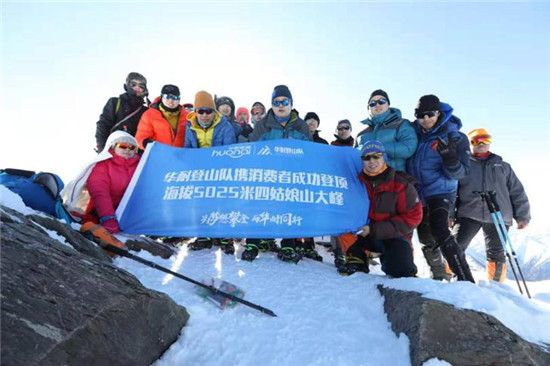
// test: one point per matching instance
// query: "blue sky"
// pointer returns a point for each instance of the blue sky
(62, 61)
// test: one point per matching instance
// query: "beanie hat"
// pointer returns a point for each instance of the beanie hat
(258, 104)
(170, 89)
(344, 122)
(243, 110)
(428, 103)
(381, 93)
(373, 146)
(312, 115)
(225, 100)
(135, 76)
(282, 91)
(480, 134)
(203, 99)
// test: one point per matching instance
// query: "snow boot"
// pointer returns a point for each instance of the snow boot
(226, 245)
(268, 245)
(496, 271)
(250, 252)
(353, 264)
(289, 254)
(100, 235)
(307, 248)
(201, 243)
(437, 264)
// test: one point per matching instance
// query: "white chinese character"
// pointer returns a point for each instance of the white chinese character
(184, 176)
(285, 177)
(197, 175)
(170, 177)
(226, 175)
(276, 194)
(313, 179)
(241, 175)
(299, 178)
(261, 193)
(171, 193)
(255, 175)
(327, 180)
(336, 198)
(341, 182)
(292, 195)
(321, 197)
(270, 176)
(186, 192)
(247, 193)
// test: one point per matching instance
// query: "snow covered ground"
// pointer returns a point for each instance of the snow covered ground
(322, 317)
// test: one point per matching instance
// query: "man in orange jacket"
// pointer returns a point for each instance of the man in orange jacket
(165, 121)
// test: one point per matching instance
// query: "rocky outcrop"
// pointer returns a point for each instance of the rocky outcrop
(67, 304)
(458, 336)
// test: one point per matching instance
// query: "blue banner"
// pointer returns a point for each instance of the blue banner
(267, 189)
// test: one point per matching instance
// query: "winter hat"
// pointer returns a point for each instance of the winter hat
(243, 110)
(170, 89)
(120, 137)
(373, 146)
(381, 93)
(257, 104)
(225, 100)
(135, 76)
(428, 103)
(282, 91)
(344, 122)
(314, 116)
(203, 99)
(480, 134)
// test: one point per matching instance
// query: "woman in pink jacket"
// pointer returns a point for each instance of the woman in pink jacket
(108, 181)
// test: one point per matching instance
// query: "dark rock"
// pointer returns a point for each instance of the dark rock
(60, 306)
(458, 336)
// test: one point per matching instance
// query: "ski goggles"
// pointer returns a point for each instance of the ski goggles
(126, 146)
(345, 128)
(205, 111)
(371, 157)
(380, 101)
(481, 140)
(278, 103)
(171, 96)
(421, 115)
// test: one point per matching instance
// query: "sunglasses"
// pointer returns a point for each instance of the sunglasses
(133, 84)
(421, 115)
(126, 147)
(171, 96)
(371, 157)
(205, 111)
(343, 128)
(380, 101)
(278, 103)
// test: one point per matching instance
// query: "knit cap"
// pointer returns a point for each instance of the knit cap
(381, 93)
(281, 91)
(203, 99)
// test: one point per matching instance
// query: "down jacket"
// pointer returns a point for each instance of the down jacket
(107, 183)
(221, 132)
(397, 135)
(492, 174)
(155, 127)
(269, 129)
(426, 165)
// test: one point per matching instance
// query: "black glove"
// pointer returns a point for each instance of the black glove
(448, 152)
(146, 141)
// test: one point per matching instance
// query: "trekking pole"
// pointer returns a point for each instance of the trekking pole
(493, 197)
(492, 211)
(125, 253)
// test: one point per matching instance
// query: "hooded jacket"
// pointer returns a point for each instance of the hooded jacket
(269, 129)
(492, 174)
(221, 132)
(397, 135)
(426, 165)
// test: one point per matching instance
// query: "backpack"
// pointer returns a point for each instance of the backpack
(39, 191)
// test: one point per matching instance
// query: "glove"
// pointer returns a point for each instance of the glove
(146, 141)
(448, 152)
(111, 225)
